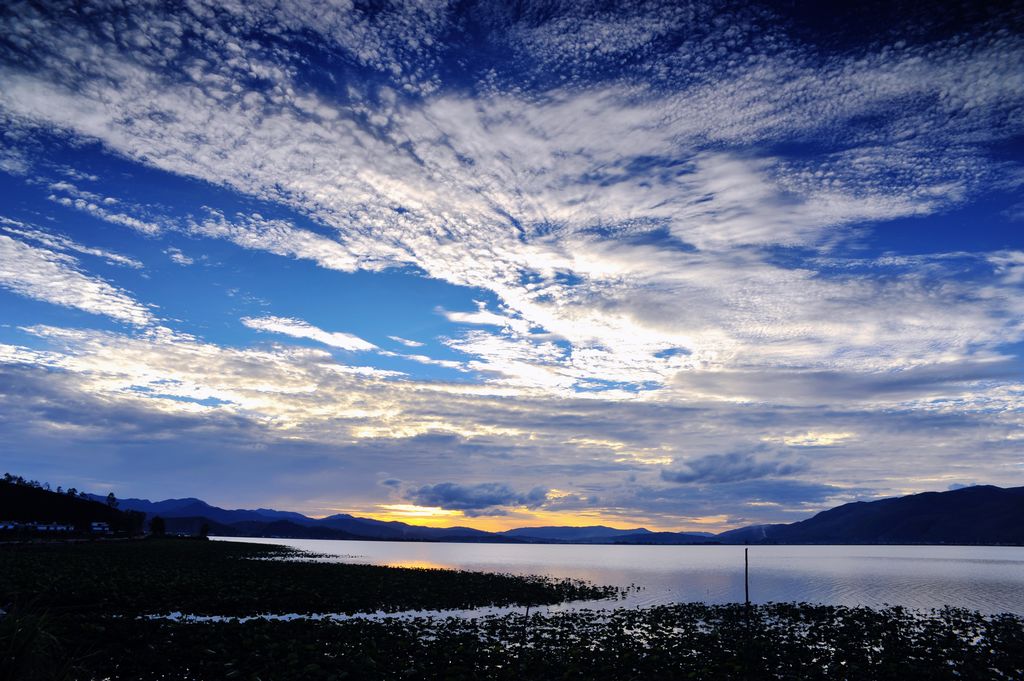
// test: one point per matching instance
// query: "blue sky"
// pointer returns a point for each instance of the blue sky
(685, 266)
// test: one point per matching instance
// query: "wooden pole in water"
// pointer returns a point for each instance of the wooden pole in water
(747, 649)
(746, 575)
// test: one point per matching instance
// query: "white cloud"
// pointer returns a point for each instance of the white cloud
(178, 257)
(485, 317)
(277, 236)
(99, 207)
(60, 242)
(812, 439)
(1009, 266)
(300, 329)
(56, 278)
(13, 162)
(78, 175)
(406, 342)
(423, 359)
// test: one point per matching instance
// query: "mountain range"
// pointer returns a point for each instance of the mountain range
(982, 514)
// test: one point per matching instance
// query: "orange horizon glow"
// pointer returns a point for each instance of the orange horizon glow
(433, 516)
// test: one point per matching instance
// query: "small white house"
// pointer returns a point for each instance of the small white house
(53, 527)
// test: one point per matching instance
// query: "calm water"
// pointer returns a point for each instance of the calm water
(990, 579)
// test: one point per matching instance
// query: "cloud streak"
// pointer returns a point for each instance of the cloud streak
(57, 278)
(487, 498)
(60, 242)
(297, 328)
(732, 467)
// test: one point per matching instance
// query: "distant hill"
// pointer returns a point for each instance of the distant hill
(600, 534)
(665, 538)
(587, 534)
(973, 515)
(191, 507)
(382, 529)
(751, 534)
(21, 502)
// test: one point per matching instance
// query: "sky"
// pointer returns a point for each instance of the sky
(686, 266)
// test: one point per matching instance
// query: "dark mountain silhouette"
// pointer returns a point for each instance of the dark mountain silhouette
(751, 534)
(570, 534)
(24, 502)
(972, 515)
(181, 508)
(600, 534)
(384, 529)
(664, 538)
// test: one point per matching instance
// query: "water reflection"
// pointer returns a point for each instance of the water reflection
(415, 563)
(990, 579)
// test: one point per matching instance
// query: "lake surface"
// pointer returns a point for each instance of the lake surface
(989, 579)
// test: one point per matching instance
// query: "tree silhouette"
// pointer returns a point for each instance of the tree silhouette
(111, 500)
(157, 526)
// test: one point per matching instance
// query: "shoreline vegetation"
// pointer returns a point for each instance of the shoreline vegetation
(82, 611)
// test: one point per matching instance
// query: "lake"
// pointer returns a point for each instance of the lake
(985, 578)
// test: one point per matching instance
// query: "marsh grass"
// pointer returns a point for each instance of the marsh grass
(235, 579)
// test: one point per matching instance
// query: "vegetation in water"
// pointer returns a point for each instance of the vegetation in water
(686, 641)
(154, 576)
